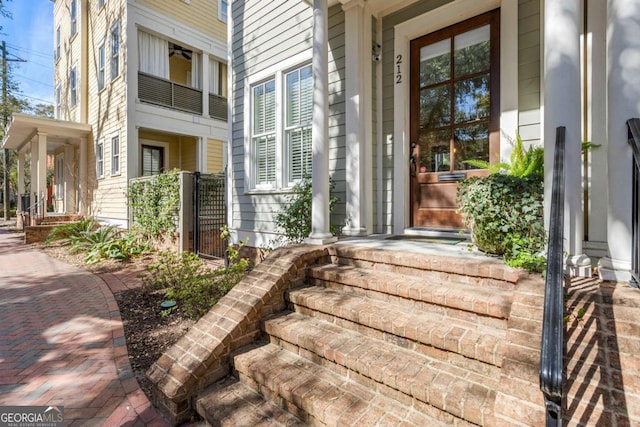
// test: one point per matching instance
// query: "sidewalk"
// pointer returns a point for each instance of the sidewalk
(62, 341)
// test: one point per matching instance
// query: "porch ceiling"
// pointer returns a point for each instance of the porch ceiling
(378, 7)
(24, 127)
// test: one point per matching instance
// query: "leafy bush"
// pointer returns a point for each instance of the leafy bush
(294, 220)
(505, 216)
(155, 204)
(73, 229)
(120, 248)
(523, 163)
(186, 278)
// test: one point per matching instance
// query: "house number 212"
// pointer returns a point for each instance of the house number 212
(398, 69)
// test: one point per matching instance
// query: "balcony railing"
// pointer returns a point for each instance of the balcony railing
(218, 107)
(158, 91)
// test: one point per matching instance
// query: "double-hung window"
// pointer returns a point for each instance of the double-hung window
(115, 155)
(264, 133)
(100, 158)
(74, 18)
(299, 110)
(281, 115)
(73, 86)
(115, 50)
(102, 60)
(223, 8)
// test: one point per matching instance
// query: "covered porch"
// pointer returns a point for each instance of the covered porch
(35, 140)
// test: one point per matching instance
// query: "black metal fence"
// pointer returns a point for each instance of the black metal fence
(209, 215)
(634, 140)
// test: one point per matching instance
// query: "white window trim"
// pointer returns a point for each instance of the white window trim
(57, 94)
(102, 46)
(115, 27)
(119, 162)
(73, 21)
(276, 71)
(73, 70)
(224, 17)
(99, 142)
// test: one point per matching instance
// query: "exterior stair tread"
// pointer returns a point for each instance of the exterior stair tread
(324, 397)
(406, 325)
(230, 403)
(387, 368)
(483, 300)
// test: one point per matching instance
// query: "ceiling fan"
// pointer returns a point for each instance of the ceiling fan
(175, 49)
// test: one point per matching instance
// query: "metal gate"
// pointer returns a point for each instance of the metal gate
(209, 215)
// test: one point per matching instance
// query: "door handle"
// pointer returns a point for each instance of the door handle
(413, 163)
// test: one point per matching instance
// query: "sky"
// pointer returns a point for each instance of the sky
(29, 36)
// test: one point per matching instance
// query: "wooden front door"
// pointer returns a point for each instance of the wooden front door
(454, 114)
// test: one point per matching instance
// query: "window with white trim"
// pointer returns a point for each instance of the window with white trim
(264, 133)
(100, 158)
(115, 50)
(102, 62)
(100, 4)
(73, 86)
(280, 128)
(115, 155)
(74, 17)
(299, 111)
(223, 9)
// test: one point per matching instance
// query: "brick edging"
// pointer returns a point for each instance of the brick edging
(201, 356)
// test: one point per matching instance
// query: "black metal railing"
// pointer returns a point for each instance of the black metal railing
(159, 91)
(634, 140)
(552, 325)
(218, 107)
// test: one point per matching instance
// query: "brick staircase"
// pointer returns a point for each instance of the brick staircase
(353, 336)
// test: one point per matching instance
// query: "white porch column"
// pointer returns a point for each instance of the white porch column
(69, 179)
(201, 154)
(562, 23)
(82, 178)
(21, 179)
(623, 100)
(359, 174)
(41, 183)
(206, 70)
(320, 231)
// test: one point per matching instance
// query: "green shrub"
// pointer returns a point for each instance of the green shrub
(155, 204)
(64, 232)
(523, 162)
(185, 277)
(504, 214)
(118, 247)
(294, 220)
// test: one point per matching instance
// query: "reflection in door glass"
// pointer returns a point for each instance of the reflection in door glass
(434, 152)
(471, 143)
(435, 63)
(435, 107)
(472, 99)
(472, 51)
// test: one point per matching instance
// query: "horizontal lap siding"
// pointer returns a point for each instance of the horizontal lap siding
(267, 33)
(529, 70)
(199, 14)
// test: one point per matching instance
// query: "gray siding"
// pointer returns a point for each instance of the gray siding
(265, 34)
(529, 70)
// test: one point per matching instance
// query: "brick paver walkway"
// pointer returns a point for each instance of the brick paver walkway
(62, 341)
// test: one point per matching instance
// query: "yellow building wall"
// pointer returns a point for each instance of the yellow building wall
(188, 153)
(107, 110)
(201, 15)
(215, 159)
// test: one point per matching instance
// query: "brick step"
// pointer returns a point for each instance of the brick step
(404, 326)
(321, 397)
(477, 271)
(230, 403)
(409, 377)
(484, 305)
